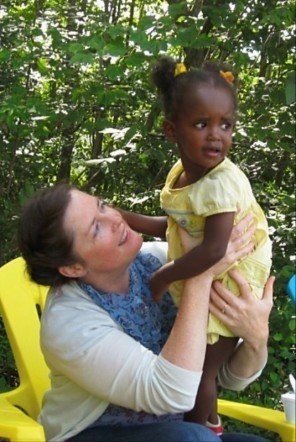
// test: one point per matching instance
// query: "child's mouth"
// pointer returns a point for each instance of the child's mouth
(212, 151)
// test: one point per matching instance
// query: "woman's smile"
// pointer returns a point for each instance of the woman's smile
(124, 236)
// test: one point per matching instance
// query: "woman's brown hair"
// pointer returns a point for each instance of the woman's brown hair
(42, 239)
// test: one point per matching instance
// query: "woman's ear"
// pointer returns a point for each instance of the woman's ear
(169, 130)
(73, 271)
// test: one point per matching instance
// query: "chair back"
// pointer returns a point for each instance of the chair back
(21, 302)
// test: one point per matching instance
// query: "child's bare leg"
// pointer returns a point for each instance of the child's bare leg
(205, 408)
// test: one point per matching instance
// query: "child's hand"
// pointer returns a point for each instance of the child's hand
(158, 285)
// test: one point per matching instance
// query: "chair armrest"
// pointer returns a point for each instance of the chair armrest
(266, 418)
(17, 426)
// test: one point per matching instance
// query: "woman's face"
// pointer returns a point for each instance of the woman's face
(101, 237)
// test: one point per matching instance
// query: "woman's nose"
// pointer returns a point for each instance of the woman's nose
(116, 220)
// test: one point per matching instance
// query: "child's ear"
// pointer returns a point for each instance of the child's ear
(73, 271)
(169, 130)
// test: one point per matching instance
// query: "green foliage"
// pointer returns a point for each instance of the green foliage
(8, 373)
(76, 103)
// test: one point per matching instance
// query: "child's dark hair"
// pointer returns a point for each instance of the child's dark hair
(42, 239)
(173, 88)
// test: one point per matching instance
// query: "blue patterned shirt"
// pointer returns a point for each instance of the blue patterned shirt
(141, 318)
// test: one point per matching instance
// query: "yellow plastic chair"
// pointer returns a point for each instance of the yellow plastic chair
(19, 301)
(266, 418)
(19, 408)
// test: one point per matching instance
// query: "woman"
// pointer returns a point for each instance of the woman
(123, 367)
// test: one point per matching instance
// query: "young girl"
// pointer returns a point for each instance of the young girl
(205, 194)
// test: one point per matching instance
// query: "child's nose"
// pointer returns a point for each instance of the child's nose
(214, 133)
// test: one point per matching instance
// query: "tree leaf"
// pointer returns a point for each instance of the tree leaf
(290, 87)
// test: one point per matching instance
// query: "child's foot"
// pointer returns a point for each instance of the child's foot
(216, 428)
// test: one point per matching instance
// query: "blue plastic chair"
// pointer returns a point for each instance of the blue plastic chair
(291, 288)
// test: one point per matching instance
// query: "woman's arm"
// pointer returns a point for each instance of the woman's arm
(200, 258)
(186, 344)
(246, 317)
(149, 225)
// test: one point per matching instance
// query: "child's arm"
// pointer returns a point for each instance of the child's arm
(216, 236)
(149, 225)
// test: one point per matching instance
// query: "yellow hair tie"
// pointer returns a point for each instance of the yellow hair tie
(180, 69)
(228, 76)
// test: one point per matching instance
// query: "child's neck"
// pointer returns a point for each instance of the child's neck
(191, 175)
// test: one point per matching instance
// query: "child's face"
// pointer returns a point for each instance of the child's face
(203, 129)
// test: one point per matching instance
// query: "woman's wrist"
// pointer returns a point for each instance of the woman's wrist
(252, 353)
(257, 345)
(258, 341)
(200, 281)
(249, 358)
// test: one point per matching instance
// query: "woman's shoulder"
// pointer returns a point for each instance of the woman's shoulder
(70, 319)
(144, 266)
(69, 304)
(156, 248)
(68, 297)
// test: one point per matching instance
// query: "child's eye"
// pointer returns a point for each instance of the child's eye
(200, 125)
(226, 126)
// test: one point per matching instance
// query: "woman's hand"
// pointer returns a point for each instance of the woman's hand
(247, 317)
(239, 245)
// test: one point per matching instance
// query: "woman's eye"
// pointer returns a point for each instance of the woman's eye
(96, 229)
(103, 205)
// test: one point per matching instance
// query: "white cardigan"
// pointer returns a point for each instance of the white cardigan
(94, 363)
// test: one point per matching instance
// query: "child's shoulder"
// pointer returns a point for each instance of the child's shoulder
(229, 165)
(174, 172)
(224, 178)
(228, 170)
